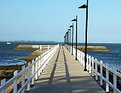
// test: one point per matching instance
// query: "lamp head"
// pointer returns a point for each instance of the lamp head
(83, 6)
(74, 20)
(71, 26)
(69, 29)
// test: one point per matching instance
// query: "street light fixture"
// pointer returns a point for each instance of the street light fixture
(76, 36)
(85, 6)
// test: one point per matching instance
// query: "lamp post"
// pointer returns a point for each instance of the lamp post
(86, 28)
(70, 38)
(64, 39)
(67, 36)
(76, 36)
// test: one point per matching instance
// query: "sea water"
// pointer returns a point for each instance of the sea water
(9, 56)
(112, 58)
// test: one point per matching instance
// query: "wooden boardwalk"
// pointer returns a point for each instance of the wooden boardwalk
(65, 75)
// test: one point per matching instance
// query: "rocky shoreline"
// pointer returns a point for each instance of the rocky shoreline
(94, 48)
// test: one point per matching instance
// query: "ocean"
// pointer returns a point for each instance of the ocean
(8, 56)
(112, 58)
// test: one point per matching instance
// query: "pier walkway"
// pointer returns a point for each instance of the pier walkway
(63, 74)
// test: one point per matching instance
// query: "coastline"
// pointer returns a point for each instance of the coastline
(7, 71)
(94, 48)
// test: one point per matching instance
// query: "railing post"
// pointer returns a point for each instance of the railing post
(90, 60)
(81, 57)
(87, 62)
(23, 77)
(48, 47)
(33, 72)
(96, 69)
(39, 64)
(114, 82)
(15, 83)
(36, 68)
(83, 60)
(40, 47)
(107, 78)
(92, 66)
(2, 83)
(28, 85)
(101, 73)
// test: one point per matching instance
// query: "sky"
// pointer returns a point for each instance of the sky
(48, 20)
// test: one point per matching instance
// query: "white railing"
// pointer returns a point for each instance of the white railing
(100, 71)
(43, 46)
(33, 70)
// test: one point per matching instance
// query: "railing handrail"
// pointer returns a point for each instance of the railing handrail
(48, 53)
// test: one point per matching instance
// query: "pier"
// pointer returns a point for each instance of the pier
(57, 71)
(63, 74)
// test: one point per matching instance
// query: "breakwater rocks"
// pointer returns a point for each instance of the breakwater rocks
(26, 47)
(94, 48)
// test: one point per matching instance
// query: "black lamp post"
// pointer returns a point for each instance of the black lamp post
(76, 36)
(86, 28)
(67, 37)
(69, 32)
(64, 39)
(71, 38)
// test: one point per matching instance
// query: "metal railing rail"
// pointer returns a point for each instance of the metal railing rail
(36, 66)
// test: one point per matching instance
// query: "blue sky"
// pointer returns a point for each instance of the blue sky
(48, 20)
